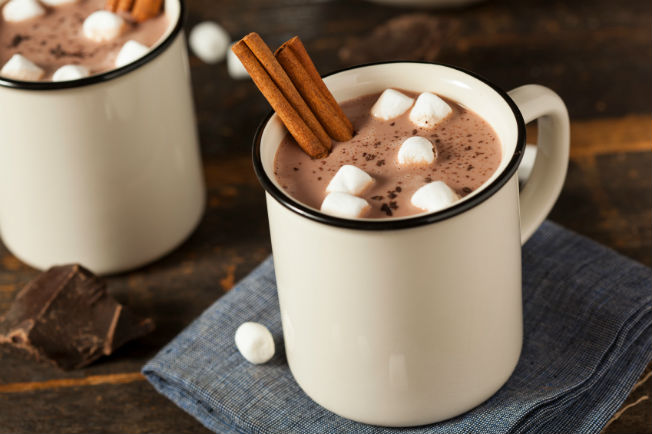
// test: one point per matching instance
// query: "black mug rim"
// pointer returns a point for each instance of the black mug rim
(104, 76)
(396, 223)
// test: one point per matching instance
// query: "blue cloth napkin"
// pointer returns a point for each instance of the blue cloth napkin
(588, 337)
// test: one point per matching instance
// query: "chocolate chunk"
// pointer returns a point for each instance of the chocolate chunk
(418, 36)
(66, 316)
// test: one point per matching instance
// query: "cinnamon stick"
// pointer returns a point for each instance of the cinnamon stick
(318, 102)
(146, 9)
(140, 10)
(124, 5)
(286, 86)
(299, 50)
(111, 5)
(293, 121)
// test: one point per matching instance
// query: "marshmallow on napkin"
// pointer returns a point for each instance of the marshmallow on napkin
(209, 41)
(21, 68)
(20, 10)
(429, 110)
(416, 150)
(391, 104)
(103, 26)
(434, 196)
(344, 205)
(349, 179)
(129, 52)
(255, 342)
(70, 72)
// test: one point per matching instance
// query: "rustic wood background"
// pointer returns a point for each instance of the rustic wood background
(595, 54)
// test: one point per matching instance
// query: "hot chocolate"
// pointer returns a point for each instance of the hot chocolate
(466, 153)
(62, 34)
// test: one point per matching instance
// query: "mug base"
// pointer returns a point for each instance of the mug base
(405, 418)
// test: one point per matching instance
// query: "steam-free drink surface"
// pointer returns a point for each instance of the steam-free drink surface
(56, 38)
(467, 151)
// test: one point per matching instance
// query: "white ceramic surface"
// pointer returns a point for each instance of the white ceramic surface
(410, 326)
(106, 173)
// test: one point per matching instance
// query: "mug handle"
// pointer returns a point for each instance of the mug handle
(542, 188)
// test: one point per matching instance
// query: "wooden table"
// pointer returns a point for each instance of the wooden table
(596, 55)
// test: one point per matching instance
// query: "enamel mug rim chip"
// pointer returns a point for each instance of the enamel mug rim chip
(108, 75)
(397, 223)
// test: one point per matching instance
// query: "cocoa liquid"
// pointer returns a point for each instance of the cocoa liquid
(56, 38)
(467, 151)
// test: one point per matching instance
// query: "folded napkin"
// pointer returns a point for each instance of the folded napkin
(588, 337)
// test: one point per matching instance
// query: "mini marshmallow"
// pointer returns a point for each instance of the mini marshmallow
(21, 68)
(103, 26)
(235, 67)
(349, 179)
(434, 196)
(344, 205)
(55, 3)
(209, 41)
(129, 52)
(416, 150)
(70, 72)
(21, 10)
(255, 342)
(391, 104)
(429, 110)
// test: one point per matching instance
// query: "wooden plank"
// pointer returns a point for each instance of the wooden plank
(590, 138)
(126, 408)
(91, 380)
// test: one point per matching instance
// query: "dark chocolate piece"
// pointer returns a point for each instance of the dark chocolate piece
(66, 316)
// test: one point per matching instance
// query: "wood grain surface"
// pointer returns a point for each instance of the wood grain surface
(596, 55)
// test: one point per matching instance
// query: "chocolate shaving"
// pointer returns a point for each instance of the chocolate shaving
(65, 316)
(418, 36)
(17, 40)
(58, 52)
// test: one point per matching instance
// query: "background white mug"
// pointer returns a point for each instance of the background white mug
(104, 171)
(409, 321)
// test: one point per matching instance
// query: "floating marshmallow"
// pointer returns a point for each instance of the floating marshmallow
(429, 110)
(391, 104)
(434, 197)
(21, 68)
(235, 67)
(209, 41)
(344, 205)
(103, 26)
(350, 179)
(416, 150)
(255, 342)
(55, 3)
(129, 52)
(70, 72)
(20, 10)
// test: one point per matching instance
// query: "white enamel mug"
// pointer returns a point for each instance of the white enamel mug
(104, 171)
(409, 321)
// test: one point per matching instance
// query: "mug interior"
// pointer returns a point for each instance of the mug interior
(467, 89)
(174, 11)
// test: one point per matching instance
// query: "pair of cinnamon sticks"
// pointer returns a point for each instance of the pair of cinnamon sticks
(293, 87)
(140, 10)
